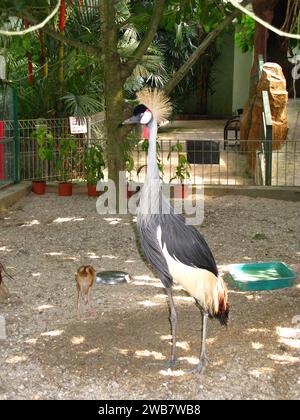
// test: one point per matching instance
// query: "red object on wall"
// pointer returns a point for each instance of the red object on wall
(30, 68)
(62, 15)
(1, 150)
(29, 58)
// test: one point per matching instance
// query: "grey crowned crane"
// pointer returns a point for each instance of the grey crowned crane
(176, 251)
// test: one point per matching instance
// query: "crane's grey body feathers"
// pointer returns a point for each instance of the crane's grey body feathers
(183, 242)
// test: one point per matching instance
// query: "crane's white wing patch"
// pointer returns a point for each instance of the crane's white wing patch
(198, 282)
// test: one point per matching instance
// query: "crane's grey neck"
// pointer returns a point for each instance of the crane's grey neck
(152, 168)
(152, 201)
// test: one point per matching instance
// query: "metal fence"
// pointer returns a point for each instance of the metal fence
(31, 165)
(209, 163)
(7, 154)
(203, 161)
(8, 135)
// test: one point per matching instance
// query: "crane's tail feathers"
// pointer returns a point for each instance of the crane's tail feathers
(223, 313)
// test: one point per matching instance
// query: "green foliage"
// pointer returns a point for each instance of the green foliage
(66, 158)
(46, 143)
(183, 167)
(245, 36)
(185, 23)
(81, 105)
(45, 146)
(259, 237)
(129, 144)
(93, 164)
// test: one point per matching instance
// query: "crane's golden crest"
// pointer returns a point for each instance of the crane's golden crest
(157, 102)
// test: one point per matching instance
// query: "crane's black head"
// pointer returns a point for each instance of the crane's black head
(139, 109)
(141, 115)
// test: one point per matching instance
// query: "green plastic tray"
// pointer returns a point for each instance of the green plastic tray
(261, 276)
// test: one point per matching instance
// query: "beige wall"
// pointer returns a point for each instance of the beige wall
(219, 103)
(241, 77)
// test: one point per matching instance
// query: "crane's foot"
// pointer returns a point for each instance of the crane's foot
(164, 364)
(170, 363)
(200, 367)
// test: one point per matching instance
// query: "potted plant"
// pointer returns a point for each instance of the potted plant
(130, 142)
(46, 144)
(93, 164)
(67, 153)
(182, 171)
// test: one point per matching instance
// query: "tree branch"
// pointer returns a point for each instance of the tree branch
(185, 68)
(62, 38)
(34, 28)
(128, 67)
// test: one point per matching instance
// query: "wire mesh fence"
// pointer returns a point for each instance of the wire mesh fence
(7, 153)
(203, 161)
(206, 161)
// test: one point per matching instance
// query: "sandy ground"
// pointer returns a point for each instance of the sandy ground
(119, 352)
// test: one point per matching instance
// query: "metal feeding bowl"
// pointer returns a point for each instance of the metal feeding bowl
(112, 277)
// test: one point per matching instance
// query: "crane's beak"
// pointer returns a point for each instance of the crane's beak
(136, 119)
(141, 118)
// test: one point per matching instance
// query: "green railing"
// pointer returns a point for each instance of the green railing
(267, 130)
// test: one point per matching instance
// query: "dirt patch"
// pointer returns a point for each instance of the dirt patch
(120, 352)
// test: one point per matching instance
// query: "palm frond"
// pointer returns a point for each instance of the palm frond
(81, 106)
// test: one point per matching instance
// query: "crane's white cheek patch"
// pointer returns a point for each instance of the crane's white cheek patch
(146, 118)
(199, 283)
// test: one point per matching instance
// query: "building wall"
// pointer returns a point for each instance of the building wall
(230, 79)
(219, 103)
(241, 77)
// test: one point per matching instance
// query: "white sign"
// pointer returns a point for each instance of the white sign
(2, 67)
(78, 126)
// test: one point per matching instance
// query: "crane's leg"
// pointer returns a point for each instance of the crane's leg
(173, 320)
(203, 359)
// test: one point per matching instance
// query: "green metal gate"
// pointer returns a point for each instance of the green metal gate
(9, 138)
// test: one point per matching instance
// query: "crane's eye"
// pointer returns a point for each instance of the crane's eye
(147, 117)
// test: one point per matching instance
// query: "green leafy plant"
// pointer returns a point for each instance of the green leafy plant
(183, 167)
(45, 146)
(93, 164)
(245, 36)
(129, 144)
(66, 158)
(46, 143)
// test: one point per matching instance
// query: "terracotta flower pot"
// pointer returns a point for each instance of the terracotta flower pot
(131, 193)
(92, 192)
(65, 189)
(38, 187)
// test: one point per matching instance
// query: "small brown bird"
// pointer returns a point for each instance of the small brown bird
(85, 278)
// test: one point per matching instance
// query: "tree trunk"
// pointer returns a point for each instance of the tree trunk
(277, 46)
(265, 10)
(114, 96)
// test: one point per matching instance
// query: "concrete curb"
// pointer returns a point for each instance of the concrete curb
(275, 193)
(13, 193)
